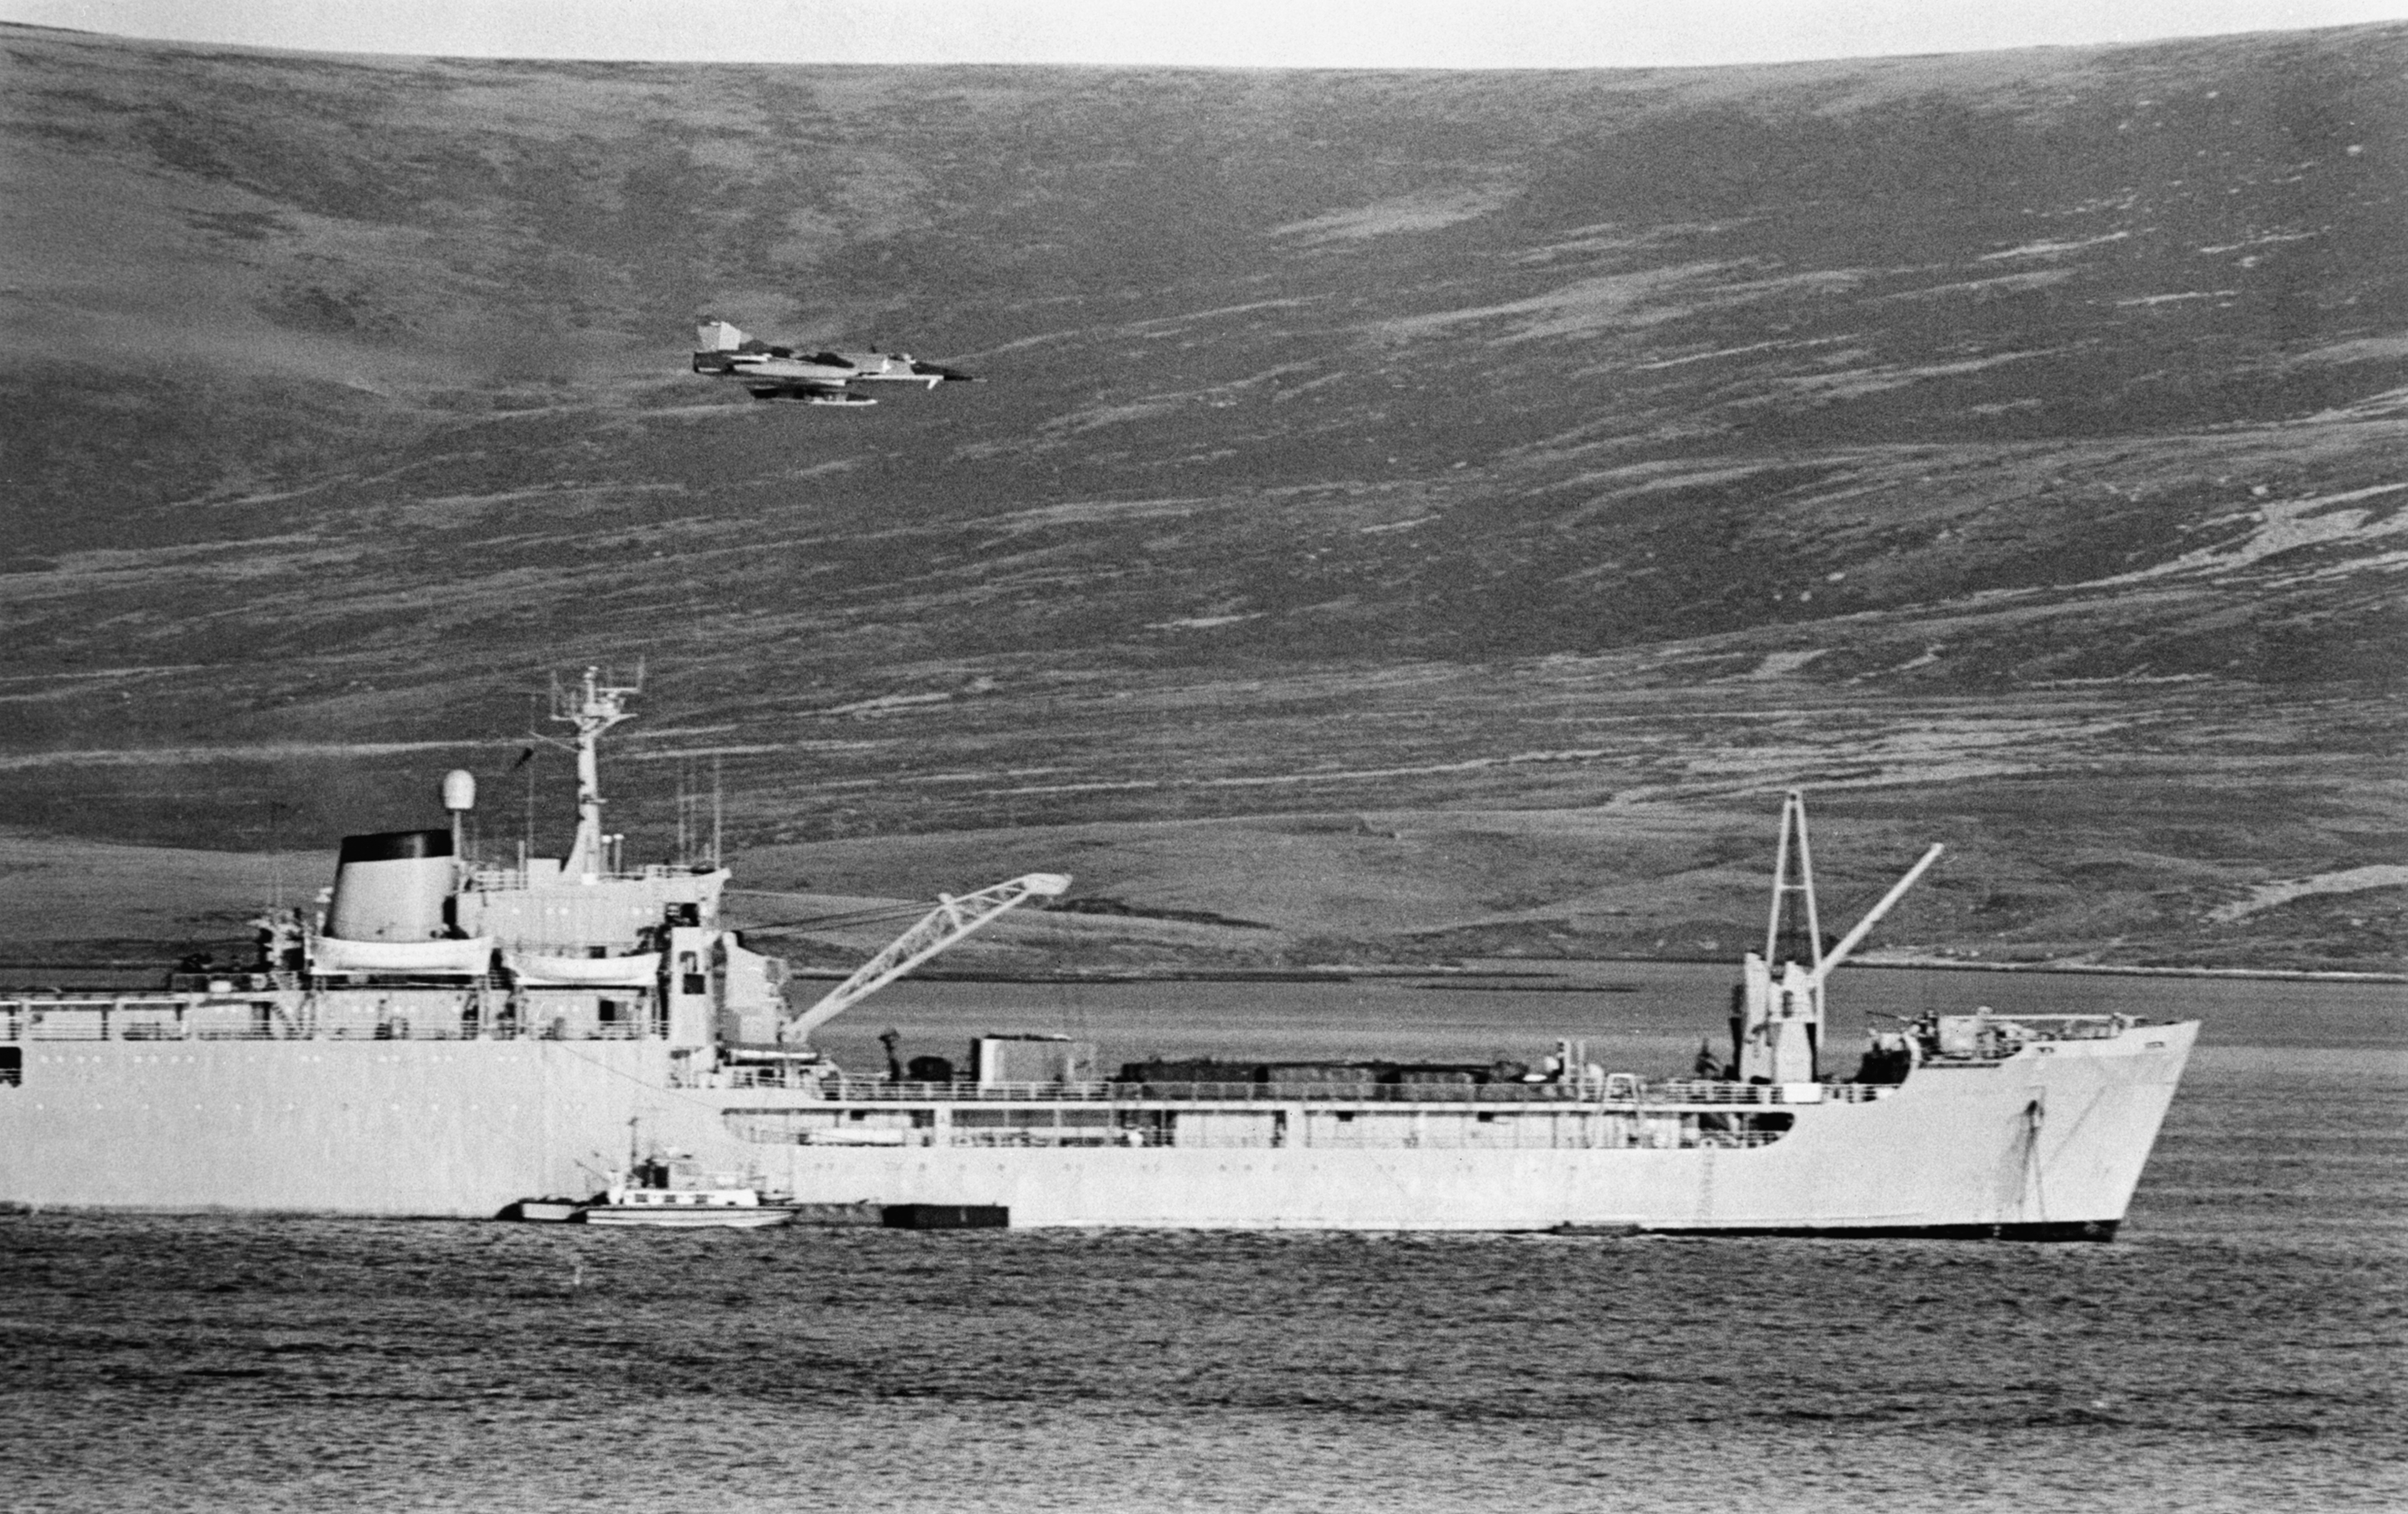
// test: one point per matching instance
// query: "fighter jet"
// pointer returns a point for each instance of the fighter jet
(822, 378)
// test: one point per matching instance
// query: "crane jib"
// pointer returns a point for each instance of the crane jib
(953, 919)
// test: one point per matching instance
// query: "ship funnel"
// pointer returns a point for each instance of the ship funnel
(459, 790)
(391, 885)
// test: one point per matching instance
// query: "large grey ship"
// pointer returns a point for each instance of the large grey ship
(444, 1037)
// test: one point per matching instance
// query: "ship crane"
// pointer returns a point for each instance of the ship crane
(940, 928)
(1777, 1022)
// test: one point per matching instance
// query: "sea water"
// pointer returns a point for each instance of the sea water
(2239, 1347)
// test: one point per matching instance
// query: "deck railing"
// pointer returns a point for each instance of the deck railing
(240, 1018)
(515, 880)
(1618, 1090)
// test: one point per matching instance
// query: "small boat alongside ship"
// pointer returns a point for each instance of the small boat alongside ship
(446, 1035)
(657, 1195)
(660, 1191)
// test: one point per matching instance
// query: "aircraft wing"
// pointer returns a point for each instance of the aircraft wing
(824, 378)
(779, 373)
(810, 391)
(901, 367)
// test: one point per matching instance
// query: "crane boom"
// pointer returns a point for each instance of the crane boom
(1898, 890)
(949, 922)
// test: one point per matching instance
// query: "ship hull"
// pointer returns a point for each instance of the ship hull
(2043, 1144)
(1955, 1152)
(414, 1128)
(723, 1220)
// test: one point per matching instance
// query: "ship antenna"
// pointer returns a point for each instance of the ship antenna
(535, 738)
(276, 856)
(718, 814)
(685, 812)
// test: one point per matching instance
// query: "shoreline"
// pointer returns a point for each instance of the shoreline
(1542, 975)
(1337, 972)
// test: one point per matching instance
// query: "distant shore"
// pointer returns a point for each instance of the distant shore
(1533, 968)
(2115, 970)
(1339, 972)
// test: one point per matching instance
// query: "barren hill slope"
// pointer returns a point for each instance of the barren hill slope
(2005, 446)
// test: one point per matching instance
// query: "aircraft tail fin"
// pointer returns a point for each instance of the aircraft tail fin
(717, 336)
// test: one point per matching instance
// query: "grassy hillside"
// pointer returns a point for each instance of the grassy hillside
(2004, 447)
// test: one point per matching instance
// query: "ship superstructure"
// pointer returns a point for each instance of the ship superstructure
(446, 1037)
(416, 940)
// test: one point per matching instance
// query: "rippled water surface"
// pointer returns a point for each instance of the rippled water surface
(2239, 1349)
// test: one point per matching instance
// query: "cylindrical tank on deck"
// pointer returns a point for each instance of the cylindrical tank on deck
(391, 885)
(459, 790)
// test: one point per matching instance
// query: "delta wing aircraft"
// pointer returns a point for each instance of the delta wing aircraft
(824, 378)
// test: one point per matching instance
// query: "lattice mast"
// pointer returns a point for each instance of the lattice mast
(1794, 921)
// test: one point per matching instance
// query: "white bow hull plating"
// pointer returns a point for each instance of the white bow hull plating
(2048, 1142)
